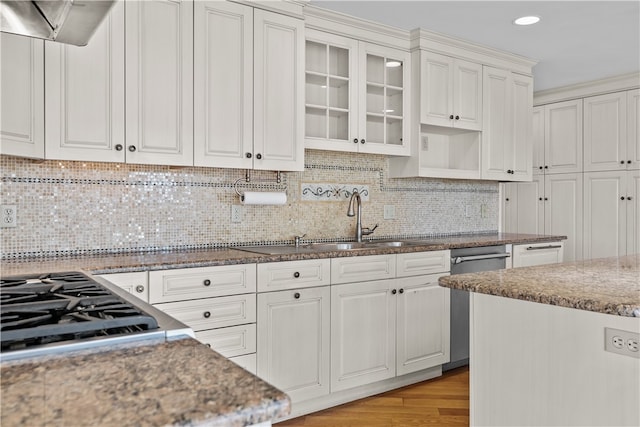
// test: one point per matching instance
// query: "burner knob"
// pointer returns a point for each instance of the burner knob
(207, 314)
(207, 282)
(139, 289)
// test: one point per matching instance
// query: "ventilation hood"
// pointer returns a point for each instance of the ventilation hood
(63, 21)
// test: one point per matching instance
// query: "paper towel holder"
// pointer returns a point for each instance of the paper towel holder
(247, 178)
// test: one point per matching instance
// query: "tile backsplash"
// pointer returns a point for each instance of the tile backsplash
(66, 207)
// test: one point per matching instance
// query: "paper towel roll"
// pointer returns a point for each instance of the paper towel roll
(263, 198)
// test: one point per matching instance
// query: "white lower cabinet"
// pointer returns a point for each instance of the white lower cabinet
(537, 254)
(136, 283)
(293, 341)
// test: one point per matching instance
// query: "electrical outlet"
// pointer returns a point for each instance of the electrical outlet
(389, 212)
(425, 143)
(622, 342)
(484, 211)
(9, 216)
(236, 213)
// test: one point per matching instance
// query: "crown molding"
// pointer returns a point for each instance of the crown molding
(293, 8)
(590, 88)
(451, 46)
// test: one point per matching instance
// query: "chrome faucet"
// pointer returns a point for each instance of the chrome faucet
(360, 231)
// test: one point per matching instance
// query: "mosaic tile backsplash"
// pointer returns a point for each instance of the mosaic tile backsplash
(78, 207)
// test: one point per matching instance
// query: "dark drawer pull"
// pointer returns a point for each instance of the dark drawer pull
(207, 282)
(296, 295)
(393, 291)
(207, 314)
(296, 274)
(401, 291)
(537, 248)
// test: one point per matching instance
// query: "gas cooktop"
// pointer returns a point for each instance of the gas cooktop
(58, 310)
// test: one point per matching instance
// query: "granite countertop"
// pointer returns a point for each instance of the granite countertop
(131, 262)
(172, 383)
(607, 285)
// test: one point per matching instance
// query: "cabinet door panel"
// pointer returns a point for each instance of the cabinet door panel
(496, 135)
(530, 210)
(605, 210)
(605, 132)
(363, 338)
(509, 220)
(563, 137)
(231, 341)
(467, 95)
(633, 212)
(84, 95)
(436, 89)
(521, 128)
(278, 92)
(223, 80)
(423, 324)
(563, 212)
(538, 140)
(293, 341)
(160, 82)
(537, 254)
(22, 103)
(633, 128)
(135, 283)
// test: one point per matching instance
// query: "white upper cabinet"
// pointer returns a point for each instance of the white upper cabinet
(357, 96)
(563, 137)
(84, 95)
(278, 92)
(633, 126)
(22, 103)
(451, 92)
(633, 212)
(538, 140)
(248, 88)
(605, 132)
(506, 136)
(159, 82)
(223, 81)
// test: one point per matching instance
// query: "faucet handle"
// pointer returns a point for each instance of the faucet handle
(367, 231)
(298, 238)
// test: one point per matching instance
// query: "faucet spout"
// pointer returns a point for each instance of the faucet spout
(356, 200)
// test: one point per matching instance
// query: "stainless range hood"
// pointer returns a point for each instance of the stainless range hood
(63, 21)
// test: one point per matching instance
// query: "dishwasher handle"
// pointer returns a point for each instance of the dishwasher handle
(537, 248)
(461, 259)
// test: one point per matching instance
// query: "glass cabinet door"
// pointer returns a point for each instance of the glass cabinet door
(330, 93)
(385, 73)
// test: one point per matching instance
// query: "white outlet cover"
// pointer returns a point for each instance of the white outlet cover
(9, 216)
(389, 212)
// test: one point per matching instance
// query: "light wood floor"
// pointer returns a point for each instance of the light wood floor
(442, 401)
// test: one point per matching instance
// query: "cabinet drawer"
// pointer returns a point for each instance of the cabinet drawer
(277, 276)
(231, 341)
(249, 362)
(192, 283)
(210, 313)
(134, 283)
(363, 268)
(537, 254)
(418, 263)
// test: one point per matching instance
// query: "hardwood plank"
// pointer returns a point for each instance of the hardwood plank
(442, 401)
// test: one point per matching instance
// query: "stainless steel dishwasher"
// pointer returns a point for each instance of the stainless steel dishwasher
(468, 260)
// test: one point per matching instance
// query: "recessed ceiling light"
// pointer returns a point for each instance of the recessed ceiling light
(527, 20)
(392, 64)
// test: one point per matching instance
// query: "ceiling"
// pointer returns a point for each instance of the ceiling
(575, 41)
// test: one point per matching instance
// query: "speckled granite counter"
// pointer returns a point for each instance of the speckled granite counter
(121, 263)
(180, 382)
(608, 285)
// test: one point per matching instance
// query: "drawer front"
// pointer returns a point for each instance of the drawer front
(249, 362)
(277, 276)
(232, 341)
(135, 283)
(537, 254)
(193, 283)
(363, 268)
(419, 263)
(210, 313)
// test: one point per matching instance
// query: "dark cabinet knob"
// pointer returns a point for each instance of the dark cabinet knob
(296, 274)
(629, 162)
(207, 282)
(258, 156)
(540, 167)
(622, 162)
(546, 198)
(507, 199)
(132, 148)
(208, 345)
(451, 117)
(139, 289)
(457, 117)
(628, 198)
(509, 171)
(296, 295)
(362, 141)
(540, 199)
(248, 155)
(546, 167)
(393, 291)
(401, 291)
(207, 314)
(355, 140)
(622, 198)
(119, 147)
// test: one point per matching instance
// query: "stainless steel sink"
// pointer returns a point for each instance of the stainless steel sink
(393, 244)
(341, 246)
(324, 247)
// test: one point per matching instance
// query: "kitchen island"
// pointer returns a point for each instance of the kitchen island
(538, 343)
(180, 382)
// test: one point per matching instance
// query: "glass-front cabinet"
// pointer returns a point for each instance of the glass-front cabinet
(356, 96)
